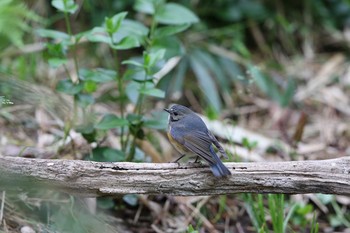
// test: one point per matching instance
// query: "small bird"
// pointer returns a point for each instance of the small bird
(188, 133)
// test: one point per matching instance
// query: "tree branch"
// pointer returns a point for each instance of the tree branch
(91, 179)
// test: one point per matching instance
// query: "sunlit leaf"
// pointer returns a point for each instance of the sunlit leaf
(65, 5)
(170, 30)
(113, 24)
(98, 34)
(173, 13)
(151, 58)
(145, 6)
(155, 92)
(52, 34)
(127, 43)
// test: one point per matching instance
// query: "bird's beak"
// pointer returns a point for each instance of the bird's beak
(167, 110)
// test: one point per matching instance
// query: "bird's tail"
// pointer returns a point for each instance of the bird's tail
(218, 168)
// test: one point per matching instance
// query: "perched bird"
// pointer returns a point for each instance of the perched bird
(188, 133)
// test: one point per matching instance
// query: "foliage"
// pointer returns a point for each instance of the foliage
(119, 33)
(13, 25)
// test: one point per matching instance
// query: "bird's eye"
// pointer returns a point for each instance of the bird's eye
(175, 114)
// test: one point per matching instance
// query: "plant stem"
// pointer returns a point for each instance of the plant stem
(69, 30)
(119, 78)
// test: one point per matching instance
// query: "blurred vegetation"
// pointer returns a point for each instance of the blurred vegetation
(99, 68)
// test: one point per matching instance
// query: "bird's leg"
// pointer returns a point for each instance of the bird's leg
(177, 160)
(196, 161)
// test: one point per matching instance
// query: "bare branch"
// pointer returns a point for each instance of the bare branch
(86, 178)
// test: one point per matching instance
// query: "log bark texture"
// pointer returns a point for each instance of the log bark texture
(92, 179)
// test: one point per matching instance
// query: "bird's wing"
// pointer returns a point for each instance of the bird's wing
(199, 143)
(217, 144)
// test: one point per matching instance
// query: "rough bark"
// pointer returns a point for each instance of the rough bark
(91, 179)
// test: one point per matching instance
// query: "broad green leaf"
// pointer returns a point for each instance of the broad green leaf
(173, 13)
(132, 62)
(170, 30)
(99, 75)
(214, 67)
(145, 6)
(155, 92)
(172, 44)
(111, 121)
(206, 83)
(132, 91)
(65, 5)
(113, 24)
(68, 87)
(131, 29)
(98, 34)
(47, 33)
(127, 43)
(151, 58)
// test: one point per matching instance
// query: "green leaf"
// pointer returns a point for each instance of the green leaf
(145, 6)
(265, 84)
(158, 121)
(151, 58)
(67, 6)
(113, 24)
(90, 86)
(132, 29)
(15, 20)
(98, 34)
(106, 154)
(206, 83)
(47, 33)
(127, 43)
(170, 30)
(88, 131)
(68, 87)
(214, 68)
(98, 75)
(111, 121)
(84, 100)
(152, 91)
(173, 13)
(288, 94)
(105, 202)
(132, 91)
(132, 62)
(56, 62)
